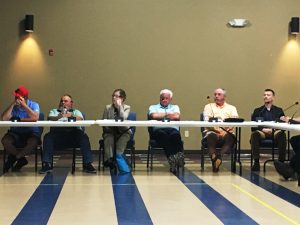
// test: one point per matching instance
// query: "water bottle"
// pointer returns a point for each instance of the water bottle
(205, 116)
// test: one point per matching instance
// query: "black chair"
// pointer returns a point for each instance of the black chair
(68, 146)
(268, 144)
(153, 146)
(38, 148)
(235, 150)
(130, 148)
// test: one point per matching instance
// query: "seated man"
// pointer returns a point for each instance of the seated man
(267, 112)
(168, 137)
(293, 168)
(220, 109)
(25, 110)
(61, 135)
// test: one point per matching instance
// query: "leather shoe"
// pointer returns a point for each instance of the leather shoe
(20, 163)
(109, 163)
(255, 167)
(284, 170)
(11, 159)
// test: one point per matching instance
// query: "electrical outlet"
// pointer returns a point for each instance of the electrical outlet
(186, 133)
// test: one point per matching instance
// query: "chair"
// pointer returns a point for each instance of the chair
(129, 148)
(68, 146)
(235, 150)
(38, 148)
(269, 144)
(153, 146)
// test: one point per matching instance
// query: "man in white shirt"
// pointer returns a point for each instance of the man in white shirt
(214, 136)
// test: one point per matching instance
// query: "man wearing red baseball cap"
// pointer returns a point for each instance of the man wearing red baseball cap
(21, 92)
(24, 110)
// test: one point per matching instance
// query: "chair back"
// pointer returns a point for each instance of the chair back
(202, 128)
(41, 118)
(132, 117)
(150, 129)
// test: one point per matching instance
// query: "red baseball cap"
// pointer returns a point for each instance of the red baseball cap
(21, 91)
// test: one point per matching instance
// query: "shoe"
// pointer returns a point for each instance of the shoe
(20, 163)
(285, 170)
(179, 157)
(46, 168)
(172, 163)
(255, 167)
(216, 162)
(11, 159)
(109, 163)
(88, 168)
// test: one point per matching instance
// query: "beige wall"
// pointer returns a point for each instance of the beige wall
(146, 45)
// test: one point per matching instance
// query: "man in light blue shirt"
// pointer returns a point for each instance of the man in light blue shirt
(62, 136)
(168, 137)
(24, 110)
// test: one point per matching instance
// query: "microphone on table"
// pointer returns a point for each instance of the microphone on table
(287, 108)
(213, 118)
(292, 121)
(296, 103)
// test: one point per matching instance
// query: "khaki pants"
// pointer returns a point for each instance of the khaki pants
(109, 144)
(280, 142)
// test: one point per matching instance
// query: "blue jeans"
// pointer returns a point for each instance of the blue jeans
(67, 138)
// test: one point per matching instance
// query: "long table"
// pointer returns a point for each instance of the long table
(79, 123)
(154, 123)
(150, 123)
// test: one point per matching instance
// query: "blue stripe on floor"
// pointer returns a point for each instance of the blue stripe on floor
(129, 203)
(276, 189)
(40, 205)
(214, 201)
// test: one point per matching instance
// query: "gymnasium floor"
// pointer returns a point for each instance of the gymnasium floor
(148, 197)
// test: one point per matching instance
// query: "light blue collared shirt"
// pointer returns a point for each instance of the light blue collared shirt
(158, 108)
(21, 113)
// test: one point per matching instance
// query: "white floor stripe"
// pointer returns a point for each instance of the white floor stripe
(172, 203)
(90, 203)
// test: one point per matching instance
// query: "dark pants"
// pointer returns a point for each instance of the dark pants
(67, 139)
(295, 160)
(169, 139)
